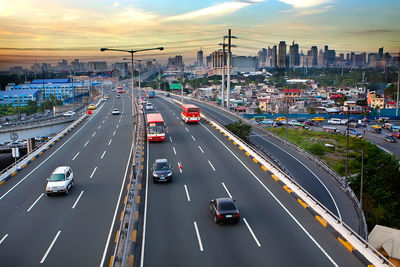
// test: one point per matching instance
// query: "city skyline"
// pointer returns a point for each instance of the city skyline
(32, 32)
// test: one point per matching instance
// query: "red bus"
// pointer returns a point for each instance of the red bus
(120, 90)
(190, 113)
(155, 127)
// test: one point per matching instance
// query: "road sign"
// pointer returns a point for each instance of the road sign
(15, 152)
(175, 86)
(14, 136)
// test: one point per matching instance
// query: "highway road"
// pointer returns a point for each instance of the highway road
(306, 172)
(274, 230)
(69, 230)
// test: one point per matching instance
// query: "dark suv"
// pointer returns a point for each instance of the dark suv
(162, 171)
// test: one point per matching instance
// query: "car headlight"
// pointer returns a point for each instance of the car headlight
(169, 174)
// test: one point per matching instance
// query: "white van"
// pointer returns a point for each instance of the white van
(334, 121)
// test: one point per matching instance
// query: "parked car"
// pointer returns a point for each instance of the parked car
(267, 122)
(376, 128)
(162, 171)
(334, 121)
(60, 181)
(301, 119)
(391, 139)
(69, 114)
(396, 135)
(224, 210)
(311, 123)
(318, 119)
(280, 119)
(167, 94)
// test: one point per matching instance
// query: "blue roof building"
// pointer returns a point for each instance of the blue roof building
(18, 97)
(60, 88)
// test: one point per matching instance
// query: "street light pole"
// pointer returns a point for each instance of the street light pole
(347, 146)
(132, 52)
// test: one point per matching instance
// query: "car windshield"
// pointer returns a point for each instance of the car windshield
(56, 177)
(163, 166)
(224, 205)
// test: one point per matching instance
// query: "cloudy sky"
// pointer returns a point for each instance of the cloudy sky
(49, 30)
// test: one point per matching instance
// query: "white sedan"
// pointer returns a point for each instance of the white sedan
(115, 111)
(69, 114)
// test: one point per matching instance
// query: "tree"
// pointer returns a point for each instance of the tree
(258, 110)
(239, 129)
(311, 110)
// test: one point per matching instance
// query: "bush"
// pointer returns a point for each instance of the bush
(316, 149)
(239, 129)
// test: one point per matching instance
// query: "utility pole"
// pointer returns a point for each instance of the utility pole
(398, 86)
(347, 146)
(362, 175)
(228, 85)
(73, 89)
(182, 82)
(223, 74)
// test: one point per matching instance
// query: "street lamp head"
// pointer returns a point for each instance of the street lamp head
(161, 48)
(103, 49)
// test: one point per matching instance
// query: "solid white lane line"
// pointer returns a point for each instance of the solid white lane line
(226, 189)
(174, 150)
(276, 199)
(77, 200)
(102, 156)
(201, 149)
(4, 238)
(114, 132)
(194, 139)
(87, 142)
(35, 202)
(66, 142)
(94, 170)
(198, 236)
(145, 207)
(93, 134)
(187, 193)
(50, 247)
(170, 139)
(251, 232)
(109, 142)
(209, 162)
(75, 156)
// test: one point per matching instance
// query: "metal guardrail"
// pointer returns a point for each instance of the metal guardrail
(5, 173)
(126, 245)
(383, 259)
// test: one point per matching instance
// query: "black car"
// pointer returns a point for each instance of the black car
(391, 139)
(162, 171)
(224, 210)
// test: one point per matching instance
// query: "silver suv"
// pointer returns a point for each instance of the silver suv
(60, 181)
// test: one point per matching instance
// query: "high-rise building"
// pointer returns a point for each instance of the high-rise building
(122, 67)
(97, 66)
(294, 59)
(282, 55)
(330, 58)
(262, 57)
(314, 56)
(63, 65)
(209, 60)
(217, 61)
(200, 58)
(176, 61)
(274, 57)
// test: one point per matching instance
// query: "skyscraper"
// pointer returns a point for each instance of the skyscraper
(282, 55)
(274, 57)
(200, 59)
(294, 59)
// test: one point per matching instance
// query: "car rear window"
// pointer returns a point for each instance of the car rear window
(56, 177)
(162, 166)
(226, 206)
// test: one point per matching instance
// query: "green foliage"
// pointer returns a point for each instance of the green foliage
(258, 110)
(311, 110)
(391, 91)
(239, 129)
(381, 190)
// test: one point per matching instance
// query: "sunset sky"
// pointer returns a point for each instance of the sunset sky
(49, 30)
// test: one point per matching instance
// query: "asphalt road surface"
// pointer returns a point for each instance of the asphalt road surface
(274, 230)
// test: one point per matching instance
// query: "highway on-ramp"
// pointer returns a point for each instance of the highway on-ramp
(73, 229)
(274, 230)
